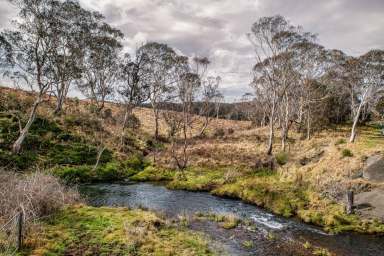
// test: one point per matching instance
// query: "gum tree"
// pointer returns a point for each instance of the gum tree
(367, 74)
(273, 38)
(133, 86)
(30, 44)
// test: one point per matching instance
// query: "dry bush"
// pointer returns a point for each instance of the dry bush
(36, 194)
(230, 176)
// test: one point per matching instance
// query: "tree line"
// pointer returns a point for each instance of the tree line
(58, 46)
(298, 83)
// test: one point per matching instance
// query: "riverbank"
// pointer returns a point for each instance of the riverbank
(269, 190)
(84, 230)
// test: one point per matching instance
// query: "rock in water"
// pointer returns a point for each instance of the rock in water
(374, 169)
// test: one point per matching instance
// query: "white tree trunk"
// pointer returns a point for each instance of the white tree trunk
(357, 116)
(271, 129)
(16, 147)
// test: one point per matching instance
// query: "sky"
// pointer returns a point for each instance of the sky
(217, 28)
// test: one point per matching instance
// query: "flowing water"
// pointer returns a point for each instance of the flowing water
(176, 202)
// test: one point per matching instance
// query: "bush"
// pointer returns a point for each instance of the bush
(83, 120)
(281, 158)
(109, 172)
(219, 133)
(346, 153)
(38, 194)
(77, 154)
(133, 122)
(22, 161)
(133, 165)
(340, 141)
(73, 175)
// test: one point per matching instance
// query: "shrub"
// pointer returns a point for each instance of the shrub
(22, 161)
(281, 158)
(38, 194)
(77, 154)
(76, 174)
(340, 141)
(133, 122)
(346, 153)
(219, 132)
(109, 172)
(83, 120)
(133, 165)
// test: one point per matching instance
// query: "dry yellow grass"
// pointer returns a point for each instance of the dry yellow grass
(324, 165)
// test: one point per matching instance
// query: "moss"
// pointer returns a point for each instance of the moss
(198, 179)
(113, 231)
(151, 173)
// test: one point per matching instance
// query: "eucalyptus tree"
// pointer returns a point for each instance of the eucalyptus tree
(5, 53)
(187, 85)
(311, 62)
(367, 73)
(29, 48)
(209, 92)
(160, 60)
(100, 65)
(218, 100)
(134, 84)
(72, 23)
(272, 38)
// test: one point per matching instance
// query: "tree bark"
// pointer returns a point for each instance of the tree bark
(271, 129)
(16, 147)
(99, 154)
(128, 112)
(156, 124)
(308, 124)
(357, 116)
(354, 125)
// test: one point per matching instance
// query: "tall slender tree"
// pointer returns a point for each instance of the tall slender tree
(30, 45)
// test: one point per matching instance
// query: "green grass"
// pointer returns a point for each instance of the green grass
(151, 173)
(267, 189)
(84, 230)
(346, 153)
(226, 221)
(111, 171)
(46, 144)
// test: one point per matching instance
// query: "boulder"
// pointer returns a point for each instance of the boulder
(374, 168)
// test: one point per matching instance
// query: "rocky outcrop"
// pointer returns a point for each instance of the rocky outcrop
(374, 168)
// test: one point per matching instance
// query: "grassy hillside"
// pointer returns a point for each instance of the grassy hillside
(309, 179)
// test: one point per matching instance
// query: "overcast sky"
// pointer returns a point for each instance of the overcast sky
(217, 28)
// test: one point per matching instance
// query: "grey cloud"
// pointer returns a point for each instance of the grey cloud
(217, 28)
